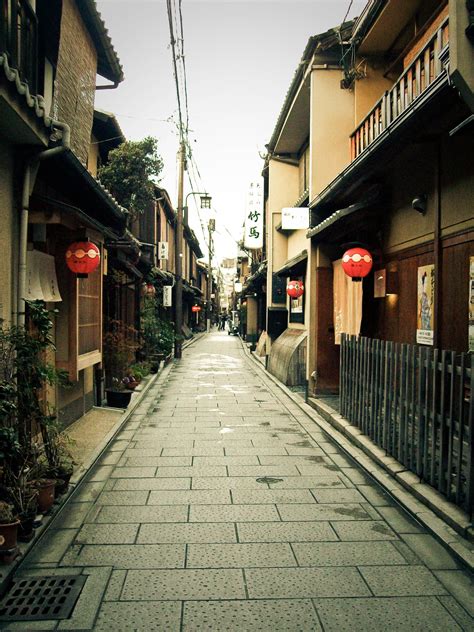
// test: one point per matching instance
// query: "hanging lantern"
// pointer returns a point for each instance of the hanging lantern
(82, 257)
(195, 308)
(149, 290)
(295, 289)
(357, 263)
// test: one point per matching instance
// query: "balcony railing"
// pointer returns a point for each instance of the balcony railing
(421, 73)
(19, 39)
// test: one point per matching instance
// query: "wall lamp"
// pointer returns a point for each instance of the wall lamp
(419, 203)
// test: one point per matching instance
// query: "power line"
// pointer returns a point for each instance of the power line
(175, 64)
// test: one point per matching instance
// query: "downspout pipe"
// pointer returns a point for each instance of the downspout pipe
(28, 183)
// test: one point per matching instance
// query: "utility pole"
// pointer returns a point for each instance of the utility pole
(179, 255)
(212, 227)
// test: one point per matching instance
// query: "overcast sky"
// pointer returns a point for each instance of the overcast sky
(240, 59)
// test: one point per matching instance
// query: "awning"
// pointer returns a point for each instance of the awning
(41, 281)
(296, 265)
(319, 231)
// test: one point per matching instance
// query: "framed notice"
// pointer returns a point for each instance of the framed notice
(425, 312)
(471, 304)
(167, 296)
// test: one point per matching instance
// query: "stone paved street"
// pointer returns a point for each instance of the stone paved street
(214, 509)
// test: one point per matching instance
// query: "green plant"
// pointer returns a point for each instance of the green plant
(157, 334)
(58, 460)
(140, 370)
(6, 513)
(132, 171)
(120, 344)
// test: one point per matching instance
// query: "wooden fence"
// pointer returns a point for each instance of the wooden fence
(416, 403)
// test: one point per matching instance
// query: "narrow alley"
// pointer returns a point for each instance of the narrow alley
(221, 506)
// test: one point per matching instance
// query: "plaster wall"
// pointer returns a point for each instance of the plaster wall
(368, 91)
(461, 66)
(332, 122)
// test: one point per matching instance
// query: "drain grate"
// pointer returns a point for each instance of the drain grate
(39, 598)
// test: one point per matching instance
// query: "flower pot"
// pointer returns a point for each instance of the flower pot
(62, 483)
(26, 529)
(45, 489)
(8, 536)
(118, 399)
(131, 386)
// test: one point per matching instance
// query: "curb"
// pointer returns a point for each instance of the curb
(76, 482)
(402, 493)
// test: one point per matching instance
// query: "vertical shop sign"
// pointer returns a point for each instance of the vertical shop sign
(253, 238)
(167, 296)
(471, 304)
(425, 312)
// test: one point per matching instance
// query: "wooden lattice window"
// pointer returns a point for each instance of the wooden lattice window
(89, 314)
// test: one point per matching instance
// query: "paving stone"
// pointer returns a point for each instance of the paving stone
(276, 450)
(225, 460)
(229, 482)
(168, 460)
(190, 497)
(347, 553)
(457, 612)
(100, 473)
(401, 581)
(87, 606)
(185, 584)
(186, 533)
(151, 483)
(123, 498)
(322, 512)
(209, 450)
(134, 472)
(140, 617)
(357, 476)
(110, 458)
(87, 492)
(136, 514)
(364, 530)
(296, 615)
(129, 556)
(203, 470)
(259, 471)
(239, 555)
(285, 532)
(309, 482)
(376, 496)
(263, 496)
(73, 517)
(107, 534)
(395, 614)
(338, 496)
(459, 584)
(300, 583)
(233, 513)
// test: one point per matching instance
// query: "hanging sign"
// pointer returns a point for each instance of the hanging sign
(162, 250)
(294, 218)
(471, 304)
(425, 316)
(195, 308)
(41, 281)
(253, 238)
(167, 296)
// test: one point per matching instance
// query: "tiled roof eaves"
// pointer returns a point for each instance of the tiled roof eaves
(34, 102)
(109, 65)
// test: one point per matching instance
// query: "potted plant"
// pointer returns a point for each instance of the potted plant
(8, 527)
(57, 462)
(157, 334)
(120, 345)
(18, 480)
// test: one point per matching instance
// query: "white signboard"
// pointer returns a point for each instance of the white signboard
(294, 218)
(41, 282)
(162, 250)
(253, 238)
(167, 295)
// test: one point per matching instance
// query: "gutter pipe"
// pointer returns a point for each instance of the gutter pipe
(28, 183)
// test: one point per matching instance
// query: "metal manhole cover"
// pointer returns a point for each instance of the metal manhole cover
(39, 598)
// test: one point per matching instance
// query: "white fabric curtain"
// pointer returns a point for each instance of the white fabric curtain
(347, 303)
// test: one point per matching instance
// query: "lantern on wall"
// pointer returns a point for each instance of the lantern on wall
(82, 257)
(357, 263)
(149, 290)
(196, 309)
(295, 289)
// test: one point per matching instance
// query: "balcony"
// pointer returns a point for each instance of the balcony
(19, 39)
(427, 66)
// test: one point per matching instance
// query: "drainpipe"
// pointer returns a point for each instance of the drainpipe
(28, 182)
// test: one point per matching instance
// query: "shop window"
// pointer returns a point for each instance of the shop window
(297, 305)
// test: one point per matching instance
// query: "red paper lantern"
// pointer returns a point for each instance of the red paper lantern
(195, 308)
(295, 289)
(357, 263)
(82, 257)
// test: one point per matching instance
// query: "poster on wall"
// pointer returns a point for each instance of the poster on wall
(471, 304)
(425, 311)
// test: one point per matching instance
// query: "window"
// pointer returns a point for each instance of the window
(89, 316)
(297, 304)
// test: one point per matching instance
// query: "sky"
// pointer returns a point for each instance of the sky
(240, 58)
